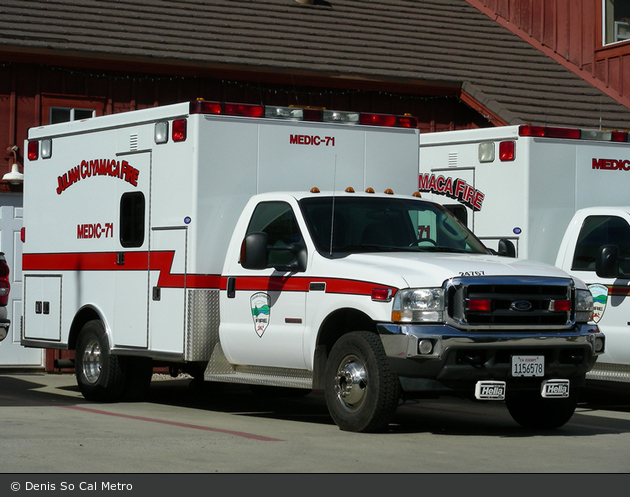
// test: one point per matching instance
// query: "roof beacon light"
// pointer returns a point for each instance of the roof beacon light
(294, 113)
(245, 110)
(290, 113)
(377, 119)
(337, 116)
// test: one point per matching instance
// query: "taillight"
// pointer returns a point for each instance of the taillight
(507, 150)
(33, 150)
(179, 130)
(5, 287)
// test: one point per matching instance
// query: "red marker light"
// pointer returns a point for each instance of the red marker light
(480, 305)
(33, 150)
(179, 130)
(507, 151)
(560, 305)
(382, 294)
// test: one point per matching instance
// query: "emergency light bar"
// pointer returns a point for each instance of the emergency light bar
(303, 114)
(572, 133)
(507, 148)
(178, 128)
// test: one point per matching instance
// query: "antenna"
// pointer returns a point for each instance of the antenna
(332, 213)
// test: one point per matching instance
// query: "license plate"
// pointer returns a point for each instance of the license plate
(528, 365)
(555, 389)
(490, 390)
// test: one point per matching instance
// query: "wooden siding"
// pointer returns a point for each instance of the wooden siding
(571, 29)
(26, 87)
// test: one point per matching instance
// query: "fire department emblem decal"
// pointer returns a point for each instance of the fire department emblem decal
(600, 298)
(261, 312)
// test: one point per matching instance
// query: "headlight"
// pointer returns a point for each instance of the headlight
(584, 306)
(419, 305)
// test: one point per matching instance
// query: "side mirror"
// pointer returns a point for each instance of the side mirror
(257, 254)
(254, 251)
(291, 258)
(607, 261)
(506, 248)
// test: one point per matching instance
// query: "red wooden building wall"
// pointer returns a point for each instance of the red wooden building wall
(572, 31)
(28, 90)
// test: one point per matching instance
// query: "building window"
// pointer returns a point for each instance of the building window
(64, 108)
(616, 17)
(65, 114)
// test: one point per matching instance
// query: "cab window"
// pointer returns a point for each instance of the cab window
(595, 232)
(278, 221)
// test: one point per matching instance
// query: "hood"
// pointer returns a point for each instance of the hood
(432, 269)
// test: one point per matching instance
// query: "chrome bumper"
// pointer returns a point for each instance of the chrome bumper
(443, 352)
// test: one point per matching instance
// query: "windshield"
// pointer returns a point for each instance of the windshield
(378, 224)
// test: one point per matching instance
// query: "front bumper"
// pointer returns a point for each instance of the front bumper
(450, 355)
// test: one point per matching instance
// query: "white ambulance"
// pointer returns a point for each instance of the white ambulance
(560, 195)
(242, 243)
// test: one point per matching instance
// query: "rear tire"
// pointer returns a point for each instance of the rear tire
(530, 410)
(361, 391)
(99, 373)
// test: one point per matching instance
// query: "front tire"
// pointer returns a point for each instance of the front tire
(99, 373)
(361, 391)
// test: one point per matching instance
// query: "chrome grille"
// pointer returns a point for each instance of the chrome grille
(487, 302)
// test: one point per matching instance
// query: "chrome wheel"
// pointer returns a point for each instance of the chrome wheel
(360, 389)
(100, 374)
(92, 361)
(351, 383)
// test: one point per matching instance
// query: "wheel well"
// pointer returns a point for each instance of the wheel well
(83, 316)
(334, 326)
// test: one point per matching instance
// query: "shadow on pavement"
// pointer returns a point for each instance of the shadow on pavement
(602, 406)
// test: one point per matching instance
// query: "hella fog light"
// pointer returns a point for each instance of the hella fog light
(425, 347)
(599, 345)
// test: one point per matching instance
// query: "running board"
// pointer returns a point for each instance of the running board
(219, 369)
(609, 372)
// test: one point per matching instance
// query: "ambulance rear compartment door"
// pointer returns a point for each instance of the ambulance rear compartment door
(42, 313)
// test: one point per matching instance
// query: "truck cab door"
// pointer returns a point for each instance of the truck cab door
(263, 314)
(611, 295)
